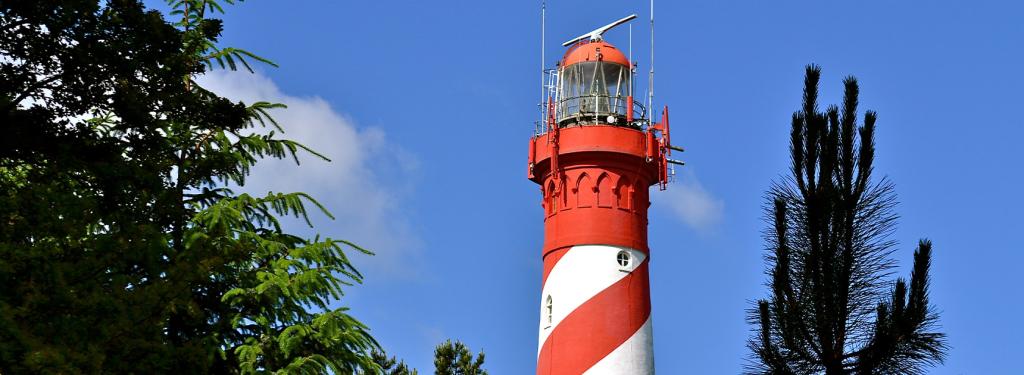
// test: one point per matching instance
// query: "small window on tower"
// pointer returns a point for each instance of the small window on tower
(550, 307)
(623, 258)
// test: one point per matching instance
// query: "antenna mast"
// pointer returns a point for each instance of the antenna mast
(540, 104)
(633, 72)
(650, 78)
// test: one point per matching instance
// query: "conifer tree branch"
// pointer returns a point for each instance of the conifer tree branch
(828, 256)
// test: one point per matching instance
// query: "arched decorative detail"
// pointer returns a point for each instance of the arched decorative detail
(550, 205)
(563, 198)
(585, 195)
(604, 190)
(639, 195)
(632, 196)
(622, 193)
(571, 193)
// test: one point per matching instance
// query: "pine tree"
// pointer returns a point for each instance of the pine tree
(390, 365)
(454, 358)
(122, 248)
(829, 258)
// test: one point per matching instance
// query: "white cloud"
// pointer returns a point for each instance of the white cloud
(362, 186)
(691, 203)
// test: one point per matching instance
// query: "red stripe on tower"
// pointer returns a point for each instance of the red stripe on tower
(600, 325)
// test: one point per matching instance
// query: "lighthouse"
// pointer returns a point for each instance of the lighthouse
(596, 154)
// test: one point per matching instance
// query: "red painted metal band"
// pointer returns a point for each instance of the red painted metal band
(615, 140)
(598, 326)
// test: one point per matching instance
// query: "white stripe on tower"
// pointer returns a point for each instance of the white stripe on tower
(578, 286)
(632, 357)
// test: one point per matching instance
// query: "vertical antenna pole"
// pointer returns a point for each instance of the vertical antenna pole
(650, 78)
(631, 75)
(543, 91)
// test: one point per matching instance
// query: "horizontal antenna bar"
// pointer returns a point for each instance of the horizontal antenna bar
(596, 34)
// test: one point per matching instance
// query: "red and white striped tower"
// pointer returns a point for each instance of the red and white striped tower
(595, 157)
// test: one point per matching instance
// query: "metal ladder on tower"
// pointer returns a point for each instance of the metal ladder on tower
(551, 86)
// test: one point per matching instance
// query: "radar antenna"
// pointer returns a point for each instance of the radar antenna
(595, 35)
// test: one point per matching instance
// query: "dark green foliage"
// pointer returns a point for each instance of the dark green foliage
(121, 249)
(829, 258)
(391, 366)
(449, 359)
(454, 358)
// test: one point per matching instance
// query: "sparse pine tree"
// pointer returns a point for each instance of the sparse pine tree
(454, 358)
(390, 365)
(831, 308)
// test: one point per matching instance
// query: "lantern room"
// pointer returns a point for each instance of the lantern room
(592, 85)
(595, 86)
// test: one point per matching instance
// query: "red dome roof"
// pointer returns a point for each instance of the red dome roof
(594, 51)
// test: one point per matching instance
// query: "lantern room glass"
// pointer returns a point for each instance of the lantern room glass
(594, 89)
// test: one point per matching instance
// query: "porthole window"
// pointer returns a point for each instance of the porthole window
(623, 258)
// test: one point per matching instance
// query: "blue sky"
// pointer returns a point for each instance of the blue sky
(426, 107)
